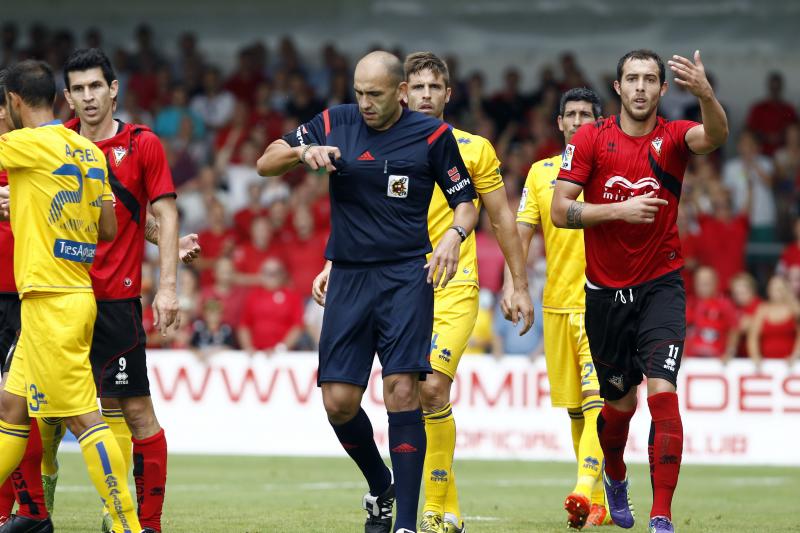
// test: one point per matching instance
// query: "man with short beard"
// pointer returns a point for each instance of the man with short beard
(630, 169)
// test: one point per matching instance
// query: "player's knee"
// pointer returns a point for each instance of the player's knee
(338, 411)
(401, 392)
(434, 395)
(13, 409)
(141, 418)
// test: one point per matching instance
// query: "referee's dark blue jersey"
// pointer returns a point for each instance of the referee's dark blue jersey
(382, 186)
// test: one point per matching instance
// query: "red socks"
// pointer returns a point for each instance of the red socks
(27, 479)
(665, 450)
(6, 499)
(150, 473)
(612, 429)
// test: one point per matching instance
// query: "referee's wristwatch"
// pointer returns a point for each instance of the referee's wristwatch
(461, 232)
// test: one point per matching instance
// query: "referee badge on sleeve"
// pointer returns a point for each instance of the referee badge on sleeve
(397, 186)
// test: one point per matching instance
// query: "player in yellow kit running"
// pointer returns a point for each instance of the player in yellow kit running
(60, 204)
(573, 381)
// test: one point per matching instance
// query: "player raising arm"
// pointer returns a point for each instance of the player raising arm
(630, 169)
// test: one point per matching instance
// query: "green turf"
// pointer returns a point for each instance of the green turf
(254, 494)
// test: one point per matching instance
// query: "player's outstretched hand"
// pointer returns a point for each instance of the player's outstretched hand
(165, 311)
(444, 260)
(320, 157)
(641, 209)
(691, 75)
(188, 248)
(319, 287)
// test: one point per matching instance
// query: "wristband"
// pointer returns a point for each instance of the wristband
(461, 232)
(305, 151)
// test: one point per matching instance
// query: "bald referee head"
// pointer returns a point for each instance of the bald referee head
(380, 86)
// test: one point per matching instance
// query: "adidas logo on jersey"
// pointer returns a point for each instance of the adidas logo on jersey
(366, 156)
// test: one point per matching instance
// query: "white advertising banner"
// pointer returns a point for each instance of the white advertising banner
(235, 404)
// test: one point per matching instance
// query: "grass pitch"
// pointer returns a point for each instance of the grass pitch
(210, 494)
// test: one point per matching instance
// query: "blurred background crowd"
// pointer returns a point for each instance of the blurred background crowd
(263, 239)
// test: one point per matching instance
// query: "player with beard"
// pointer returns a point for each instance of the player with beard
(630, 169)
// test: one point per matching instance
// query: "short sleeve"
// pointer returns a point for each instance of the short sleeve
(576, 163)
(486, 171)
(17, 150)
(157, 175)
(448, 168)
(315, 131)
(678, 130)
(528, 211)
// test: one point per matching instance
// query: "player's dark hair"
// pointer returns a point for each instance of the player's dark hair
(419, 61)
(643, 55)
(2, 87)
(33, 81)
(581, 94)
(89, 58)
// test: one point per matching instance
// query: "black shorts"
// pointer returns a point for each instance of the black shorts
(386, 308)
(636, 331)
(9, 328)
(118, 356)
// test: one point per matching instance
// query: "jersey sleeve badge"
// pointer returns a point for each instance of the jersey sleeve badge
(566, 161)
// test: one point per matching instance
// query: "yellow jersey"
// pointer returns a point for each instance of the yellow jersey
(57, 182)
(566, 259)
(484, 168)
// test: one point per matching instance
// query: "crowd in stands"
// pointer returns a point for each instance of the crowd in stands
(263, 238)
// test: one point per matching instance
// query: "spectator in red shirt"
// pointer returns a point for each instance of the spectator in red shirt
(243, 219)
(305, 253)
(710, 320)
(230, 296)
(723, 238)
(745, 297)
(272, 318)
(218, 240)
(245, 79)
(774, 331)
(791, 254)
(248, 258)
(770, 117)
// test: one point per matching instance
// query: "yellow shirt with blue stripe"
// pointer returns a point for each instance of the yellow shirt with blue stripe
(484, 168)
(566, 259)
(57, 181)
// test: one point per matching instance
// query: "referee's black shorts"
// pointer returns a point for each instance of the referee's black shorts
(636, 331)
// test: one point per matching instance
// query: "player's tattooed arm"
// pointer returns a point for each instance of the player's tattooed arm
(575, 215)
(151, 230)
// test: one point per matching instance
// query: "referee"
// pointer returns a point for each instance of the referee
(384, 162)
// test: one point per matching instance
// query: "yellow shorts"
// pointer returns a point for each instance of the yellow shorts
(51, 365)
(569, 362)
(455, 309)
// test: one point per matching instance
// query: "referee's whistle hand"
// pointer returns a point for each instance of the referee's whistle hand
(321, 158)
